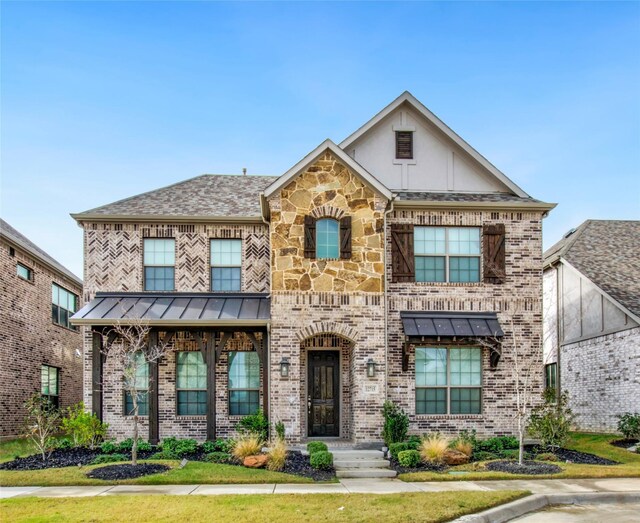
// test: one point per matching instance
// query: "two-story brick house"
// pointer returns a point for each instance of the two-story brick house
(366, 272)
(40, 351)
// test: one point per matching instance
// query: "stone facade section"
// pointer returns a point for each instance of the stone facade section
(30, 339)
(327, 189)
(602, 376)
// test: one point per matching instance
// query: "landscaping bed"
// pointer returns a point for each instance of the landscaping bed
(573, 456)
(420, 467)
(297, 463)
(533, 468)
(624, 443)
(126, 471)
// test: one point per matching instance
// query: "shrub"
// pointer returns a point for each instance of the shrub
(125, 445)
(41, 423)
(254, 424)
(396, 448)
(109, 458)
(396, 423)
(433, 448)
(280, 432)
(219, 445)
(629, 425)
(178, 448)
(108, 447)
(469, 437)
(462, 446)
(218, 457)
(247, 445)
(163, 455)
(64, 444)
(144, 446)
(316, 446)
(551, 422)
(482, 455)
(277, 455)
(498, 444)
(413, 442)
(321, 460)
(409, 458)
(510, 454)
(84, 428)
(547, 456)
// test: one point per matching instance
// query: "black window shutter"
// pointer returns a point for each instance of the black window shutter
(402, 260)
(345, 237)
(309, 237)
(494, 257)
(404, 144)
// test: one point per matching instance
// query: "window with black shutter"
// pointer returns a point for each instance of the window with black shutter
(404, 145)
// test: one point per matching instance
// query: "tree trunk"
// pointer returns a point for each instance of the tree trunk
(134, 447)
(520, 442)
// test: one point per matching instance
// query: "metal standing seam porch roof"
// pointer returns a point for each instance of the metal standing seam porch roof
(450, 324)
(176, 309)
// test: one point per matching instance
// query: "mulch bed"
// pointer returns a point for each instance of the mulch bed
(533, 468)
(574, 456)
(422, 467)
(298, 464)
(126, 471)
(624, 443)
(58, 458)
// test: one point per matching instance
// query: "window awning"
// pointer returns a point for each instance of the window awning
(451, 324)
(176, 309)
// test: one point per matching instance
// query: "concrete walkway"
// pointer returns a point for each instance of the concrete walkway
(346, 486)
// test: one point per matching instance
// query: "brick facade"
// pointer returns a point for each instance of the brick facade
(30, 339)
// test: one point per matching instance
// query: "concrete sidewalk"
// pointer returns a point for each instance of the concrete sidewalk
(346, 486)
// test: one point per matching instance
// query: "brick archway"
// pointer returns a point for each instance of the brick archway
(328, 327)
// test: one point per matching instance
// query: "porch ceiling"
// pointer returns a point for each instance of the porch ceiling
(451, 324)
(175, 309)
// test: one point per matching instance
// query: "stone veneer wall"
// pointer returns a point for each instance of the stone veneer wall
(602, 376)
(519, 298)
(30, 339)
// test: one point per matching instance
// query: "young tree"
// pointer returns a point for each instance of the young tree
(41, 423)
(130, 349)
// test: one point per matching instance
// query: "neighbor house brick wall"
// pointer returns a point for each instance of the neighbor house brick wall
(30, 339)
(602, 375)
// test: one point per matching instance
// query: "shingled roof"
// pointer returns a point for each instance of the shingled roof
(608, 253)
(464, 197)
(207, 195)
(21, 241)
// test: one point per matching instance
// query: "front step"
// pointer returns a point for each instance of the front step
(341, 464)
(348, 455)
(361, 464)
(366, 473)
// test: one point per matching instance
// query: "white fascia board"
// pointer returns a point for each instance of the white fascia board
(444, 128)
(310, 158)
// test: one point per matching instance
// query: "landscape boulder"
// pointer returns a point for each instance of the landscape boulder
(255, 462)
(453, 457)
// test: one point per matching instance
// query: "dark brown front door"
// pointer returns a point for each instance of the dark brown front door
(324, 396)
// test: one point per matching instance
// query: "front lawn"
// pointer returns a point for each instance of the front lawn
(11, 449)
(598, 444)
(195, 472)
(390, 508)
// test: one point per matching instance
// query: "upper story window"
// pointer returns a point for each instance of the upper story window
(327, 239)
(226, 265)
(24, 272)
(447, 254)
(63, 305)
(49, 384)
(159, 264)
(404, 145)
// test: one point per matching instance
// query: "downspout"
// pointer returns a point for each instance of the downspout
(386, 312)
(263, 203)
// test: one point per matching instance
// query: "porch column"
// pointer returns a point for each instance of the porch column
(96, 374)
(211, 360)
(154, 428)
(266, 366)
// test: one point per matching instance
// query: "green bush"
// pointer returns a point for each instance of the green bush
(109, 458)
(64, 444)
(629, 425)
(551, 421)
(144, 446)
(178, 448)
(218, 457)
(510, 454)
(163, 455)
(280, 432)
(108, 447)
(84, 428)
(125, 445)
(316, 446)
(414, 442)
(497, 445)
(41, 423)
(321, 460)
(482, 455)
(409, 458)
(396, 448)
(547, 456)
(396, 424)
(218, 445)
(257, 424)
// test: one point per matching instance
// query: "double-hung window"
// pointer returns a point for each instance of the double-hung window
(550, 375)
(327, 239)
(244, 383)
(24, 272)
(159, 264)
(447, 254)
(191, 384)
(448, 380)
(63, 305)
(226, 265)
(139, 367)
(49, 384)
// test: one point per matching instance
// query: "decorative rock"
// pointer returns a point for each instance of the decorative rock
(453, 457)
(256, 462)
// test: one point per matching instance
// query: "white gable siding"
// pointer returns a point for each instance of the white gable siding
(438, 164)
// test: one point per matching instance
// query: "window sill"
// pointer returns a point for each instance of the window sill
(447, 416)
(76, 331)
(447, 283)
(202, 417)
(32, 282)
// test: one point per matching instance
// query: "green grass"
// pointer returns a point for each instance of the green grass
(598, 444)
(390, 508)
(9, 449)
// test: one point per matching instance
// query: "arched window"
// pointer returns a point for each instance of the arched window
(327, 239)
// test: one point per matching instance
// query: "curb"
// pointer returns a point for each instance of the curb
(523, 506)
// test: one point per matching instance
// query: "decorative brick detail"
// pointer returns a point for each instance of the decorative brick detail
(328, 327)
(328, 211)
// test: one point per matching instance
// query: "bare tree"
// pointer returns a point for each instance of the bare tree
(130, 349)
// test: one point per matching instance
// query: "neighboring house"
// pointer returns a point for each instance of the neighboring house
(40, 351)
(368, 271)
(592, 320)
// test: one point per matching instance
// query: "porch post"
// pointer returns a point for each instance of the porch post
(154, 429)
(211, 360)
(266, 369)
(96, 374)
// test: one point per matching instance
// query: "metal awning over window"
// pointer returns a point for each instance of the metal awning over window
(176, 309)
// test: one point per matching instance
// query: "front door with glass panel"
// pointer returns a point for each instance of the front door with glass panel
(324, 393)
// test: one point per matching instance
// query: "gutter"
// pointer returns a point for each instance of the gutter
(479, 206)
(163, 218)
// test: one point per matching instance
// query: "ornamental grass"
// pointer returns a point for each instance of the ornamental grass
(277, 455)
(433, 448)
(247, 445)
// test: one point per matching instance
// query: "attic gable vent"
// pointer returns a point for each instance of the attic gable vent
(569, 233)
(404, 145)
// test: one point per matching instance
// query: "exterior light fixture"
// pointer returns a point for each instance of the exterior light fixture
(371, 368)
(284, 367)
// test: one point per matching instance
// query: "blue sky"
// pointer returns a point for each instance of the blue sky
(101, 101)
